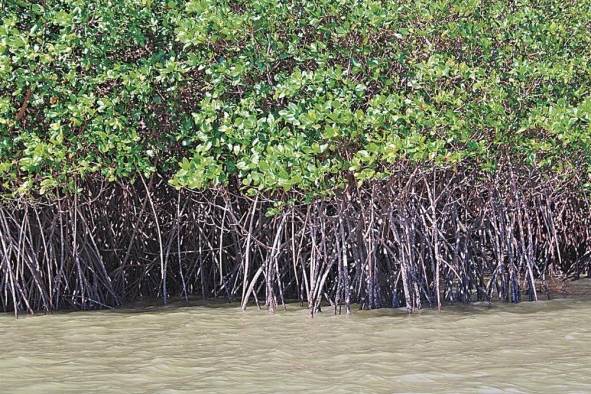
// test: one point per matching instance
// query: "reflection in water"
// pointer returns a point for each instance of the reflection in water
(540, 347)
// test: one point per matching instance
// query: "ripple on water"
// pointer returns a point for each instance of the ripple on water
(530, 347)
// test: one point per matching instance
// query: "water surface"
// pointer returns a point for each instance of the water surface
(530, 347)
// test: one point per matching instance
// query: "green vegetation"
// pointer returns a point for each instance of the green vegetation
(288, 107)
(281, 95)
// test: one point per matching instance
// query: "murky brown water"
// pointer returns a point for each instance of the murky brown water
(530, 347)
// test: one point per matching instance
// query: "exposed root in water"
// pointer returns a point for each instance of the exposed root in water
(421, 238)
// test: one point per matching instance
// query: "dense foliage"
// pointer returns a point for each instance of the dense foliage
(273, 95)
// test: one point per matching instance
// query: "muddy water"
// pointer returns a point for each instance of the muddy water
(530, 347)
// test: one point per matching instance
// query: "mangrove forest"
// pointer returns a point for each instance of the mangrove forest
(337, 153)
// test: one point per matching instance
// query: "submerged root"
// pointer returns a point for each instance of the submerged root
(422, 238)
